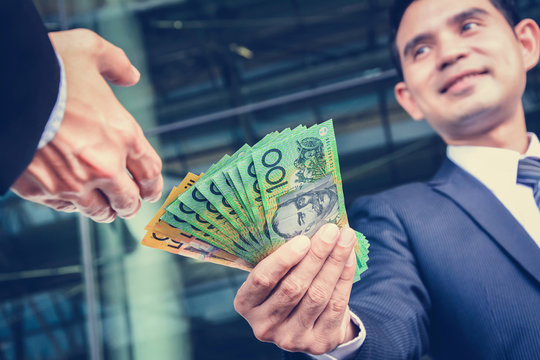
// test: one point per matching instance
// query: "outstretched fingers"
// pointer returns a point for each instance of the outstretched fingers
(322, 289)
(293, 288)
(268, 273)
(335, 314)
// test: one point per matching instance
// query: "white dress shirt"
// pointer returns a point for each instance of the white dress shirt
(497, 169)
(57, 113)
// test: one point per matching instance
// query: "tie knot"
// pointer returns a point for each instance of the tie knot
(529, 172)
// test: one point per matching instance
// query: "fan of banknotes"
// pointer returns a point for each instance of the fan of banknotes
(249, 203)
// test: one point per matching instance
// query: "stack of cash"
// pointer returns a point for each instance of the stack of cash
(249, 203)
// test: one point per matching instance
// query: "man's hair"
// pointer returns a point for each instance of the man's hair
(506, 7)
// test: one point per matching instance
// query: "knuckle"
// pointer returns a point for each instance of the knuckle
(320, 347)
(130, 206)
(262, 333)
(289, 342)
(338, 258)
(291, 289)
(337, 306)
(348, 274)
(122, 53)
(316, 294)
(239, 304)
(89, 39)
(153, 169)
(289, 345)
(96, 212)
(317, 256)
(133, 135)
(261, 280)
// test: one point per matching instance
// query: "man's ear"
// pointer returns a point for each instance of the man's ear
(528, 34)
(405, 99)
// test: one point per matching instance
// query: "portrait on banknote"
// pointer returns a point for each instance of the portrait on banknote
(303, 211)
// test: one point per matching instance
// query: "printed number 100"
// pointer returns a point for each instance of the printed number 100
(273, 170)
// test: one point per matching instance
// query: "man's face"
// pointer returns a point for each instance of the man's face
(298, 215)
(463, 66)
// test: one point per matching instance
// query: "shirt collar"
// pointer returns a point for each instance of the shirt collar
(494, 167)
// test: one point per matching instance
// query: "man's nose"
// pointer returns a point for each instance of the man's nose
(451, 49)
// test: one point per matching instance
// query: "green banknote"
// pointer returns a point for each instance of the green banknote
(201, 232)
(232, 174)
(216, 190)
(226, 190)
(248, 179)
(253, 201)
(300, 182)
(200, 207)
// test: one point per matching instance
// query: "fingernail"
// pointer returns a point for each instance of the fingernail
(300, 244)
(352, 259)
(347, 237)
(155, 198)
(329, 233)
(130, 216)
(136, 72)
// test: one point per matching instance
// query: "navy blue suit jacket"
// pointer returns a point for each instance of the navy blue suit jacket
(30, 76)
(451, 273)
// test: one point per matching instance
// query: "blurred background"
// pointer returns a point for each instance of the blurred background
(215, 74)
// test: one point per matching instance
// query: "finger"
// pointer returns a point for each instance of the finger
(60, 205)
(333, 315)
(114, 65)
(122, 194)
(145, 165)
(322, 288)
(266, 275)
(293, 287)
(94, 205)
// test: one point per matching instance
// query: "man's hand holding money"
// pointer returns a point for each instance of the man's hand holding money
(297, 296)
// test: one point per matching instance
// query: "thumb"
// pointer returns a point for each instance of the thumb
(114, 65)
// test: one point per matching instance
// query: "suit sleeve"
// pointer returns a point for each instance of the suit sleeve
(390, 299)
(30, 77)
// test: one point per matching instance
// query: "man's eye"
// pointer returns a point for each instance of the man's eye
(301, 202)
(420, 51)
(469, 26)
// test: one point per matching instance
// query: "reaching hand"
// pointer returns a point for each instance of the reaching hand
(85, 166)
(297, 297)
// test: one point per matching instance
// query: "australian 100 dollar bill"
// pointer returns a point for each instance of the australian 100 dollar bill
(300, 182)
(300, 186)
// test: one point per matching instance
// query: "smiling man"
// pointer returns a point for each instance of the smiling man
(454, 262)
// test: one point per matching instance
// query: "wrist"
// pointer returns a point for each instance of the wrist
(351, 331)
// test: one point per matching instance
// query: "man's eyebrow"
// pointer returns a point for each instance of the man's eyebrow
(415, 41)
(464, 15)
(456, 19)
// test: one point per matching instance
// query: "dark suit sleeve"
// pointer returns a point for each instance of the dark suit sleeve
(390, 299)
(30, 77)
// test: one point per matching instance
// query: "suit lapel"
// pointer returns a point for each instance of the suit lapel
(490, 214)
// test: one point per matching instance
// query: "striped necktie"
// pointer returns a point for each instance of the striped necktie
(529, 174)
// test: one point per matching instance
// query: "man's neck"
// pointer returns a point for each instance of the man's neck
(511, 134)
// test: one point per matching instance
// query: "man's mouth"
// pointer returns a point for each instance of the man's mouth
(460, 78)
